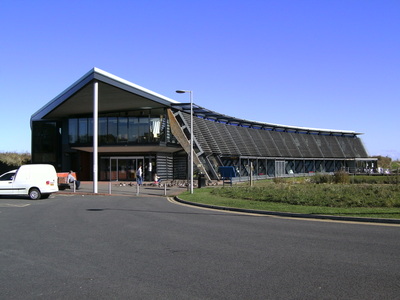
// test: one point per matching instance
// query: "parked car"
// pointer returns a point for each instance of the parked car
(37, 181)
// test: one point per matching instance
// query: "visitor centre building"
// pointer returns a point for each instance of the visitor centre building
(106, 127)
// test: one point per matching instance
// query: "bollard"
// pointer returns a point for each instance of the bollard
(109, 187)
(165, 190)
(137, 190)
(74, 187)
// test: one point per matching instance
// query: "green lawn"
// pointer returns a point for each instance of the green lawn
(376, 201)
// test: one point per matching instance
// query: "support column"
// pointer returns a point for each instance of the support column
(95, 135)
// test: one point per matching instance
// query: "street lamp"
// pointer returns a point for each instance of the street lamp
(191, 136)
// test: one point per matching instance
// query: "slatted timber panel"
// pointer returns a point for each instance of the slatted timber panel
(335, 146)
(220, 140)
(293, 144)
(250, 146)
(358, 147)
(259, 142)
(269, 141)
(280, 143)
(201, 132)
(312, 149)
(224, 139)
(302, 144)
(237, 137)
(323, 145)
(230, 143)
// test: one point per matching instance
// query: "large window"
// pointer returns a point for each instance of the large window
(155, 128)
(73, 131)
(122, 130)
(83, 131)
(112, 130)
(102, 131)
(45, 142)
(119, 130)
(133, 130)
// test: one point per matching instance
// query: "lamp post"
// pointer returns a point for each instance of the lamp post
(191, 136)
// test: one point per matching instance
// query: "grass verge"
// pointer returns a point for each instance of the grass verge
(240, 198)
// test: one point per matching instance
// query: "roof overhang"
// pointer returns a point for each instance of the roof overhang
(115, 95)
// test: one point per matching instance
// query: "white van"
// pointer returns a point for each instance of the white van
(36, 181)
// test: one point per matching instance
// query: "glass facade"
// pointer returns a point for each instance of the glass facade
(114, 130)
(73, 131)
(46, 139)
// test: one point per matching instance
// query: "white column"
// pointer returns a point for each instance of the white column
(191, 142)
(95, 135)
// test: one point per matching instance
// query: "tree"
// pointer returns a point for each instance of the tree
(384, 161)
(13, 160)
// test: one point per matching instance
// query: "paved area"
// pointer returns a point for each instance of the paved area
(128, 247)
(148, 189)
(126, 188)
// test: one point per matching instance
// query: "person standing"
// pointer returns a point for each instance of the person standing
(139, 175)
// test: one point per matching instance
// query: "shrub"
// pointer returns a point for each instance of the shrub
(11, 160)
(332, 195)
(322, 178)
(14, 159)
(341, 177)
(278, 180)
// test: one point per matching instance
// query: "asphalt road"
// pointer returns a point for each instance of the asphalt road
(99, 247)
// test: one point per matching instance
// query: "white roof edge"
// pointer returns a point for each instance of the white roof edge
(309, 128)
(218, 116)
(108, 75)
(298, 127)
(62, 93)
(121, 80)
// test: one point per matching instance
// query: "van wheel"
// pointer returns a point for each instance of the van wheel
(34, 194)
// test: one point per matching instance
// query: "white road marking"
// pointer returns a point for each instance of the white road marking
(13, 205)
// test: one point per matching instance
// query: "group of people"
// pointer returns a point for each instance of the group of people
(139, 178)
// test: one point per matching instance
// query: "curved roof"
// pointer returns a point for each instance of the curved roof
(117, 94)
(221, 118)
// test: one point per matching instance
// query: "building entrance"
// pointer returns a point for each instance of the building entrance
(124, 168)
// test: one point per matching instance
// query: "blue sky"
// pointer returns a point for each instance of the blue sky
(323, 64)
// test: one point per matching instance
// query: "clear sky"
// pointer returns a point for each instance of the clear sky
(329, 64)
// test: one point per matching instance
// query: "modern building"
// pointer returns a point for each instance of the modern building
(104, 126)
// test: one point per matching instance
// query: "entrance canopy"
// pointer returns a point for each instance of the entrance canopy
(115, 95)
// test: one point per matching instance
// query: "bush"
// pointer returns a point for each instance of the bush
(375, 179)
(14, 159)
(341, 177)
(11, 160)
(278, 180)
(322, 178)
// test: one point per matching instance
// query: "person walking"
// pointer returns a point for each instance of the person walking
(139, 176)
